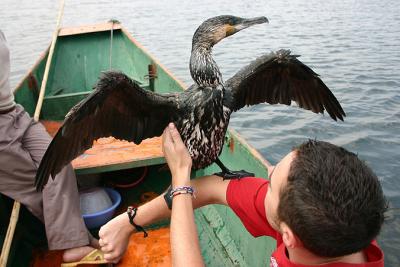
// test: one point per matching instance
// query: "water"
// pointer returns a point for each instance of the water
(353, 45)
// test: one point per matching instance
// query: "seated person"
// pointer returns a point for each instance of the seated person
(23, 142)
(322, 204)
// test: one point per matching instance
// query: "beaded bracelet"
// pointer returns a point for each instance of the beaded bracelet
(181, 190)
(168, 195)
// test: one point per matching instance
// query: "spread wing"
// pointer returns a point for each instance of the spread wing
(117, 107)
(280, 78)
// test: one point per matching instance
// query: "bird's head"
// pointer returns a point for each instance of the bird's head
(217, 28)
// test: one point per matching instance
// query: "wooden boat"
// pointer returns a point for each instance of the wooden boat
(80, 55)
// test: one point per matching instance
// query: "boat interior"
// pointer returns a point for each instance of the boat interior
(137, 172)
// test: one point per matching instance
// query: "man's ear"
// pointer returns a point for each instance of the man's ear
(289, 238)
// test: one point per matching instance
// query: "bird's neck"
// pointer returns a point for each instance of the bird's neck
(203, 68)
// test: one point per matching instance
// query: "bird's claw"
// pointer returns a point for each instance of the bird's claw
(234, 174)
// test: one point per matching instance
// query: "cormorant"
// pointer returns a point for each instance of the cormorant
(119, 107)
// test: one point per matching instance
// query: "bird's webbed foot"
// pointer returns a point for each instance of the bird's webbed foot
(229, 175)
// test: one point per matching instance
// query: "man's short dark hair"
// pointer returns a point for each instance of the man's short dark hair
(332, 201)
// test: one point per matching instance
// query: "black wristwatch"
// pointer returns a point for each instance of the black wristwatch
(168, 198)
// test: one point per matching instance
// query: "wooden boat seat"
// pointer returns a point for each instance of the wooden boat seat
(110, 154)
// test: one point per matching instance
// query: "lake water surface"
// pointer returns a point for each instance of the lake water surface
(353, 45)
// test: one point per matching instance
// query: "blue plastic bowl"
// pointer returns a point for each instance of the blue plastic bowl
(95, 220)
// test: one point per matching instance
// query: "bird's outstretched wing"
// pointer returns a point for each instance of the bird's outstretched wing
(117, 107)
(280, 77)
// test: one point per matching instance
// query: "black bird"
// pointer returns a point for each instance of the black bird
(119, 107)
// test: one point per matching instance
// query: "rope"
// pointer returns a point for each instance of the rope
(112, 21)
(111, 42)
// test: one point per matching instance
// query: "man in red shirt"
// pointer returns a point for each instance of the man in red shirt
(322, 204)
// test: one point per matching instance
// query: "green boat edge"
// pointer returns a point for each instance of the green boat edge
(223, 238)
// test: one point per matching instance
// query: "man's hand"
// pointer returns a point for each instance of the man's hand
(114, 237)
(177, 156)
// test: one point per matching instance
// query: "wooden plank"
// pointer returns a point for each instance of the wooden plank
(55, 107)
(109, 154)
(101, 27)
(109, 151)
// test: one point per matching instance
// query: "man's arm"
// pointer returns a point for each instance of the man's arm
(185, 247)
(114, 236)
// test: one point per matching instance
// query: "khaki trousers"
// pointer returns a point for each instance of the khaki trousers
(23, 142)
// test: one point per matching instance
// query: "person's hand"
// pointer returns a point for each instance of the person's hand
(177, 156)
(114, 237)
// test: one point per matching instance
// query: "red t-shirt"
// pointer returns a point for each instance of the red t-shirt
(246, 198)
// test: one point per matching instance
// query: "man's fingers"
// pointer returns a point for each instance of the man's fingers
(164, 135)
(109, 257)
(176, 137)
(168, 143)
(101, 232)
(101, 242)
(107, 248)
(112, 257)
(167, 138)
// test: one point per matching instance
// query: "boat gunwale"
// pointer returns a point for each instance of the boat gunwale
(89, 28)
(29, 72)
(254, 152)
(99, 27)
